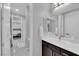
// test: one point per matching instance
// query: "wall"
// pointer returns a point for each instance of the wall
(72, 24)
(6, 30)
(38, 11)
(0, 29)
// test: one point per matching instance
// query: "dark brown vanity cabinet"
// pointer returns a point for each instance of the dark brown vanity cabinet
(67, 53)
(46, 51)
(52, 50)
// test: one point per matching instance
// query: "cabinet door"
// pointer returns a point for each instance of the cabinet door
(67, 53)
(55, 50)
(56, 53)
(64, 54)
(46, 51)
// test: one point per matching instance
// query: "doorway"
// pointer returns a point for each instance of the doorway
(13, 29)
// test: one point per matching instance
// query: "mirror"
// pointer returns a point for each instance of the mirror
(72, 24)
(50, 25)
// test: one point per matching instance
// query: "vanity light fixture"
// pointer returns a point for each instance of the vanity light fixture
(58, 4)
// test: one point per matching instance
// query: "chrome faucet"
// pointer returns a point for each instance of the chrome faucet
(67, 35)
(61, 36)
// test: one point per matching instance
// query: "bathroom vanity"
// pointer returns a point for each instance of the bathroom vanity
(52, 46)
(66, 25)
(49, 49)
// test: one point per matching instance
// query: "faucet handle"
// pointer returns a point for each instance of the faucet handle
(67, 35)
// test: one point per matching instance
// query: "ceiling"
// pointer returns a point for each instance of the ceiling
(18, 8)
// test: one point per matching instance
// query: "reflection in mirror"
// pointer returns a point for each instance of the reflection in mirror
(71, 22)
(50, 25)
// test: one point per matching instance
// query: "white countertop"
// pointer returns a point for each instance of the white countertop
(67, 44)
(72, 47)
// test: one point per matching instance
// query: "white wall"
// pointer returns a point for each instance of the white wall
(6, 30)
(72, 24)
(0, 29)
(38, 11)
